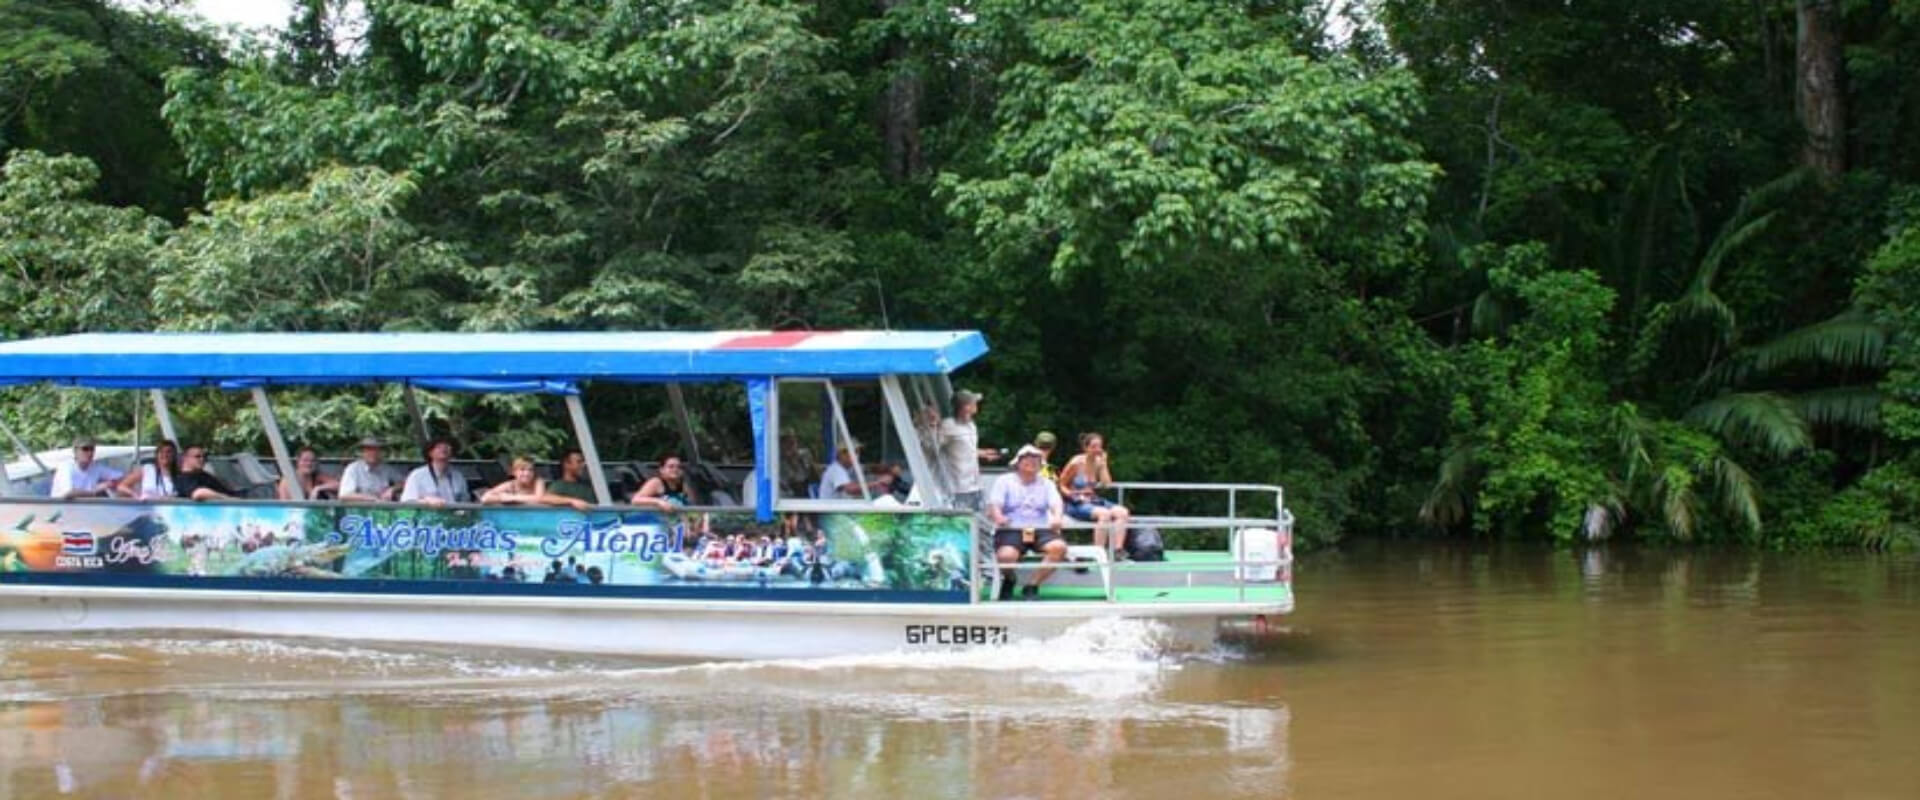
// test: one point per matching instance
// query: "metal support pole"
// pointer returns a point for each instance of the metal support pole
(272, 426)
(165, 416)
(688, 447)
(595, 471)
(931, 492)
(846, 437)
(774, 453)
(419, 421)
(21, 446)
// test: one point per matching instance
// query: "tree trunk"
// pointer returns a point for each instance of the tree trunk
(900, 119)
(1817, 86)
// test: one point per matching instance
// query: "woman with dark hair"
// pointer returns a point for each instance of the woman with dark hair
(667, 489)
(1085, 473)
(308, 482)
(154, 479)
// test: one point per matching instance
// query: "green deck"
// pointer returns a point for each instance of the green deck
(1218, 585)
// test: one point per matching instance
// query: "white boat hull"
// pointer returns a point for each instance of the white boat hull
(693, 629)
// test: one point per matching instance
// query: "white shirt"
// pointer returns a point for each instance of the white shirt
(153, 483)
(422, 484)
(960, 453)
(835, 477)
(70, 477)
(358, 478)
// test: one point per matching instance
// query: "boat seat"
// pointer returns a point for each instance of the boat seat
(1079, 556)
(1081, 553)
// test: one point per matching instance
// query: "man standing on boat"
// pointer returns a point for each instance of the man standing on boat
(958, 440)
(367, 480)
(436, 483)
(84, 477)
(1021, 505)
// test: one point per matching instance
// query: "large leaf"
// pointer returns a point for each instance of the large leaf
(1765, 420)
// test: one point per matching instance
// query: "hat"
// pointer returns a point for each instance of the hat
(1045, 440)
(371, 441)
(963, 397)
(1028, 450)
(849, 443)
(83, 441)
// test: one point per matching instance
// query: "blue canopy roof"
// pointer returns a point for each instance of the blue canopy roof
(524, 362)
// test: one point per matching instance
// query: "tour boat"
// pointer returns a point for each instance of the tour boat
(827, 576)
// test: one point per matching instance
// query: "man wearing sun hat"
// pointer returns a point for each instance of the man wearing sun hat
(1027, 518)
(367, 479)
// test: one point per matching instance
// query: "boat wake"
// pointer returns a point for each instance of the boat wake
(1100, 664)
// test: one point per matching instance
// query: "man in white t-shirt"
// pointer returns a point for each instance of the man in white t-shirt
(837, 482)
(958, 443)
(84, 477)
(367, 479)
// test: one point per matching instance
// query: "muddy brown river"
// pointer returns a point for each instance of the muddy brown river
(1410, 671)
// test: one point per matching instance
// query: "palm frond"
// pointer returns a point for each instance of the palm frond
(1736, 234)
(1856, 406)
(1447, 502)
(1851, 339)
(1489, 315)
(1749, 219)
(1736, 492)
(1678, 505)
(1702, 304)
(1633, 436)
(1760, 419)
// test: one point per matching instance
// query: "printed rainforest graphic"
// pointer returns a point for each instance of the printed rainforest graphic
(918, 552)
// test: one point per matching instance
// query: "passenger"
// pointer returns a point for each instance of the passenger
(524, 488)
(436, 483)
(367, 479)
(194, 481)
(1046, 442)
(1091, 462)
(893, 480)
(308, 482)
(838, 483)
(958, 442)
(1019, 505)
(572, 488)
(667, 489)
(83, 476)
(797, 466)
(1109, 519)
(154, 479)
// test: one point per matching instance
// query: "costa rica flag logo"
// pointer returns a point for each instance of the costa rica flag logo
(77, 543)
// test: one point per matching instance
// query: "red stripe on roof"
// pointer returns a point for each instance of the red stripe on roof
(766, 341)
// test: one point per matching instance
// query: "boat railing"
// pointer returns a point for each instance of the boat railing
(1241, 501)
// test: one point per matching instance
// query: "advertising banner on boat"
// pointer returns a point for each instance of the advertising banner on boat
(872, 552)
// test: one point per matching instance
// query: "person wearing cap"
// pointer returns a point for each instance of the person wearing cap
(838, 481)
(436, 483)
(83, 476)
(1045, 442)
(1027, 518)
(367, 480)
(957, 440)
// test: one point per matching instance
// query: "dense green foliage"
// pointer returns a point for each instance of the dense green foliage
(1483, 268)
